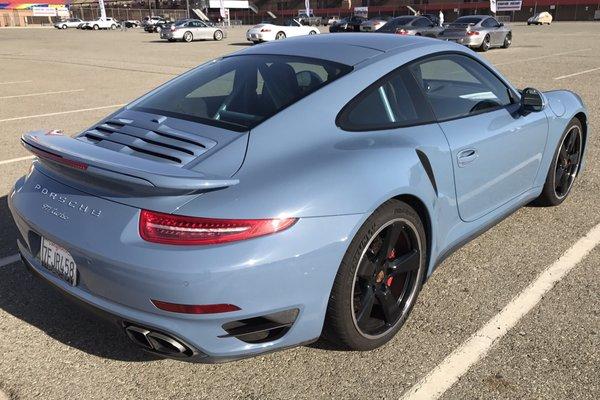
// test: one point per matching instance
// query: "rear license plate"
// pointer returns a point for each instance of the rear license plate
(58, 261)
(253, 36)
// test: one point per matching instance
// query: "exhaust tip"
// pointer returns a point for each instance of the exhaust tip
(159, 342)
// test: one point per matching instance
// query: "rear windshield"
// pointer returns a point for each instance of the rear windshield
(239, 92)
(467, 20)
(396, 22)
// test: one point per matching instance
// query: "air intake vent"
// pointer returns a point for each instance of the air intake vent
(261, 329)
(162, 144)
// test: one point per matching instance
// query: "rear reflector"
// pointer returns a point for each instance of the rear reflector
(180, 230)
(61, 160)
(195, 308)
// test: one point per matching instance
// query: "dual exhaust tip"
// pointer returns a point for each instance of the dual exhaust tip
(158, 342)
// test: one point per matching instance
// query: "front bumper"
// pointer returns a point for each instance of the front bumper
(118, 273)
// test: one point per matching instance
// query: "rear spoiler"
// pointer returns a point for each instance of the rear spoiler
(57, 148)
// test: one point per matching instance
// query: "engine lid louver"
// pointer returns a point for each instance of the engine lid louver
(162, 144)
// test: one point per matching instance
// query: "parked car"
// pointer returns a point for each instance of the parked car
(412, 25)
(188, 30)
(309, 20)
(350, 24)
(158, 26)
(374, 24)
(108, 23)
(332, 20)
(541, 18)
(151, 20)
(132, 23)
(68, 23)
(274, 30)
(205, 242)
(481, 32)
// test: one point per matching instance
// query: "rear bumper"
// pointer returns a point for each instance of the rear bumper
(118, 273)
(469, 41)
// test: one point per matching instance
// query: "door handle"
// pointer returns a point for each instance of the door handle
(467, 156)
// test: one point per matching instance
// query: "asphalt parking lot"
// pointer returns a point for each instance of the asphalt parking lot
(51, 349)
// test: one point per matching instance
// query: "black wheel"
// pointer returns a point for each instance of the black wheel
(255, 42)
(188, 37)
(312, 32)
(379, 279)
(64, 26)
(564, 167)
(218, 35)
(280, 36)
(157, 29)
(96, 27)
(486, 44)
(113, 27)
(507, 41)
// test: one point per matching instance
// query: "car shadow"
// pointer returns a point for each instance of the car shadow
(241, 44)
(39, 304)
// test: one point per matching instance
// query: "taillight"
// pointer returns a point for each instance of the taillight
(181, 230)
(472, 33)
(402, 32)
(265, 30)
(56, 158)
(195, 308)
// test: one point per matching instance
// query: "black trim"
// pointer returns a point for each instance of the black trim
(428, 170)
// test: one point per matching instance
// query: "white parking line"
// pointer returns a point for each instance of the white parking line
(41, 94)
(14, 82)
(9, 260)
(12, 160)
(553, 55)
(449, 371)
(576, 73)
(61, 113)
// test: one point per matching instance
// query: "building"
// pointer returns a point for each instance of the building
(19, 12)
(24, 13)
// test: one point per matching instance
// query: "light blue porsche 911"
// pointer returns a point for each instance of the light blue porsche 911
(293, 190)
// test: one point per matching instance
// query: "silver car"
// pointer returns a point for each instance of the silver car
(192, 29)
(68, 23)
(481, 32)
(414, 25)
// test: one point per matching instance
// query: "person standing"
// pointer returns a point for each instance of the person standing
(441, 18)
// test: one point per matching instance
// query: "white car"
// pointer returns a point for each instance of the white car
(271, 30)
(332, 20)
(68, 23)
(108, 23)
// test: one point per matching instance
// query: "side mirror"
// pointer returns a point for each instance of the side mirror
(532, 100)
(501, 24)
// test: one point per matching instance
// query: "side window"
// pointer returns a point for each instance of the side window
(393, 102)
(422, 22)
(490, 23)
(458, 86)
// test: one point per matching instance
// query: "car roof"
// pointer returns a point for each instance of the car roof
(339, 47)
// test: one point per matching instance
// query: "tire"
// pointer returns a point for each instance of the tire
(255, 42)
(171, 40)
(343, 327)
(64, 27)
(507, 40)
(312, 32)
(486, 44)
(563, 168)
(188, 37)
(96, 27)
(280, 36)
(157, 29)
(218, 35)
(113, 27)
